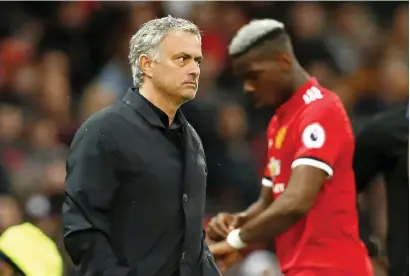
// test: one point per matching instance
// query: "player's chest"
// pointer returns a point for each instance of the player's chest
(282, 146)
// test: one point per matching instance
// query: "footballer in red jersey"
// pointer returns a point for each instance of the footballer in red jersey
(308, 197)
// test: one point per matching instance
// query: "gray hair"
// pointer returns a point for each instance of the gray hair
(149, 36)
(251, 33)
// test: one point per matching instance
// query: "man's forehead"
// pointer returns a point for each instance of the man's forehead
(245, 63)
(179, 34)
(239, 66)
(255, 59)
(177, 41)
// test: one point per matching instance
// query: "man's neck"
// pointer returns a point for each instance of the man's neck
(160, 100)
(301, 77)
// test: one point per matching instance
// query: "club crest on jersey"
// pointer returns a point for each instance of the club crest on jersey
(274, 167)
(280, 137)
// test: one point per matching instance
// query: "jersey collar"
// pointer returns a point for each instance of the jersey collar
(296, 100)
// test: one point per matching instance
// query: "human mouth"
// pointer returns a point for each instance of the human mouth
(191, 83)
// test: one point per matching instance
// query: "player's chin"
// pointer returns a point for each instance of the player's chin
(188, 93)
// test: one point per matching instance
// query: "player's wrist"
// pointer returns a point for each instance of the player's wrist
(235, 241)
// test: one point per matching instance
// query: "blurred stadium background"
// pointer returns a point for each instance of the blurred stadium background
(62, 61)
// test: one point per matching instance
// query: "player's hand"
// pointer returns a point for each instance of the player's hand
(220, 249)
(218, 226)
(222, 224)
(239, 219)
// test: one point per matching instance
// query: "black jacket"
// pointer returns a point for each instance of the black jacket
(134, 200)
(382, 147)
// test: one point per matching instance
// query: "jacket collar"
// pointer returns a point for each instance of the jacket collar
(141, 105)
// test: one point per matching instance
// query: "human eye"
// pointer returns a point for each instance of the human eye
(198, 61)
(182, 59)
(251, 75)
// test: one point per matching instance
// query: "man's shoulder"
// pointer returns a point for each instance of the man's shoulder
(388, 125)
(328, 111)
(325, 103)
(102, 120)
(319, 95)
(394, 114)
(192, 130)
(195, 136)
(103, 124)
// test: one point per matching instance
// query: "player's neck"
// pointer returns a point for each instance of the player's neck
(160, 100)
(300, 78)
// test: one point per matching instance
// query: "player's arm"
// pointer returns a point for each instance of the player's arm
(299, 196)
(320, 142)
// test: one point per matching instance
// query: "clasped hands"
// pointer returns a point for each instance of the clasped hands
(219, 228)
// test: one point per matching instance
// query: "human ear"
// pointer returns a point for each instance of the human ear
(145, 64)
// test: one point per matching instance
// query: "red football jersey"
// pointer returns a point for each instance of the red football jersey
(312, 128)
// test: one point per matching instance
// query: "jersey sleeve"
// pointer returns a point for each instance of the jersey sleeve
(319, 137)
(267, 179)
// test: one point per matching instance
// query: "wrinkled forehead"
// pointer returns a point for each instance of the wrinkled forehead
(180, 41)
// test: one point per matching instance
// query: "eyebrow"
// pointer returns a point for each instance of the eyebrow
(197, 58)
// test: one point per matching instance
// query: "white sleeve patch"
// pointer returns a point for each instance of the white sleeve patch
(313, 136)
(267, 182)
(313, 163)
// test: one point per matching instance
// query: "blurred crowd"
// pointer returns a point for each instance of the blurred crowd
(62, 61)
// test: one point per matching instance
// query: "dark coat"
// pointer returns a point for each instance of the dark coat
(134, 201)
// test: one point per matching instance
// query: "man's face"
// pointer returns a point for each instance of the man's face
(264, 78)
(177, 71)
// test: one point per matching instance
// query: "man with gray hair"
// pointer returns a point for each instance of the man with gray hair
(136, 171)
